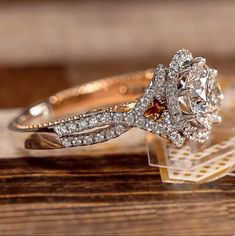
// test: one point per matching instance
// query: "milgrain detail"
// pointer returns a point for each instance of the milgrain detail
(77, 91)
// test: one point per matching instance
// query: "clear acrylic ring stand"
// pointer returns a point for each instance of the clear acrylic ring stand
(184, 165)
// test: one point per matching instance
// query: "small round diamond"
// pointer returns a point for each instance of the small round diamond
(72, 126)
(159, 128)
(92, 122)
(139, 108)
(160, 93)
(174, 65)
(159, 75)
(82, 124)
(105, 119)
(118, 118)
(140, 122)
(87, 140)
(151, 125)
(99, 138)
(145, 101)
(110, 134)
(66, 142)
(120, 129)
(58, 130)
(129, 119)
(176, 138)
(76, 141)
(149, 93)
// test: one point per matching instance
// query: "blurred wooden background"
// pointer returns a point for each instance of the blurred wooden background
(68, 42)
(46, 46)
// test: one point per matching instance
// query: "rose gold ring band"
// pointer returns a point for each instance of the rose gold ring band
(77, 102)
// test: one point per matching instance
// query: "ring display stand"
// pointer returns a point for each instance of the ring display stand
(194, 163)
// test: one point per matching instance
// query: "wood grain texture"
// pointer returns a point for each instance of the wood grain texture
(108, 195)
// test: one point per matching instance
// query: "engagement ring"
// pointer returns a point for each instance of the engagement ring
(179, 103)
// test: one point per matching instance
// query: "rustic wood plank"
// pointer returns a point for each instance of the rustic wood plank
(109, 194)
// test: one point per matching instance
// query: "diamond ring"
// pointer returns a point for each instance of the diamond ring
(178, 103)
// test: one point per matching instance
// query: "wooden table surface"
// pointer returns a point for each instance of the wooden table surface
(46, 46)
(109, 195)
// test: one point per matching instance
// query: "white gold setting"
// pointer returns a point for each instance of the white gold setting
(180, 103)
(193, 96)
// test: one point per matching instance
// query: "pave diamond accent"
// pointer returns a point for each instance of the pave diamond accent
(99, 137)
(82, 124)
(151, 125)
(66, 142)
(120, 130)
(87, 140)
(93, 137)
(93, 121)
(140, 122)
(118, 118)
(163, 128)
(110, 134)
(105, 118)
(159, 75)
(156, 89)
(129, 119)
(177, 138)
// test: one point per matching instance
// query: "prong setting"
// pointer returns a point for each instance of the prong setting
(199, 92)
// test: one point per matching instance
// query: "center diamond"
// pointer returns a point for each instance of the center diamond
(200, 94)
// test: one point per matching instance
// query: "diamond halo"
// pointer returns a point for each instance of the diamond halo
(193, 95)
